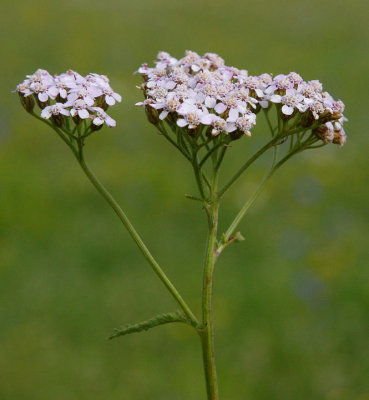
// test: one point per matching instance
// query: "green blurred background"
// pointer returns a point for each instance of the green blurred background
(291, 302)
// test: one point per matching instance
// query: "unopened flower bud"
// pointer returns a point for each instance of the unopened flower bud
(307, 119)
(152, 115)
(94, 127)
(339, 137)
(41, 104)
(100, 102)
(27, 102)
(235, 135)
(77, 120)
(58, 120)
(256, 109)
(325, 132)
(287, 117)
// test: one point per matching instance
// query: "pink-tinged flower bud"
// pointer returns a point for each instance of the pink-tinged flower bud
(337, 108)
(325, 132)
(339, 137)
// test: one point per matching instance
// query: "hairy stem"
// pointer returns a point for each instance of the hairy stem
(207, 334)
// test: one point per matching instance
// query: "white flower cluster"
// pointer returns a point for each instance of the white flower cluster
(195, 91)
(202, 91)
(308, 99)
(69, 94)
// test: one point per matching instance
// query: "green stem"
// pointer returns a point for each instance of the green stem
(247, 164)
(198, 175)
(135, 236)
(279, 120)
(207, 334)
(254, 196)
(209, 153)
(268, 121)
(162, 130)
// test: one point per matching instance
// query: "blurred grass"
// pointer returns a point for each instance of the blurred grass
(291, 302)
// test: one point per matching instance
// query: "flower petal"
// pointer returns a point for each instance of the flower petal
(259, 92)
(182, 122)
(231, 127)
(117, 97)
(287, 110)
(264, 103)
(220, 108)
(64, 112)
(46, 113)
(233, 115)
(207, 119)
(83, 114)
(158, 106)
(170, 85)
(89, 100)
(109, 100)
(43, 97)
(163, 114)
(210, 102)
(110, 122)
(53, 91)
(98, 121)
(276, 98)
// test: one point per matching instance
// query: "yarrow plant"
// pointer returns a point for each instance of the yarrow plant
(200, 106)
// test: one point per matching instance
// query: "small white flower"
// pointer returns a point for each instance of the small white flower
(55, 109)
(79, 107)
(81, 92)
(221, 126)
(291, 100)
(101, 117)
(110, 96)
(24, 88)
(316, 108)
(42, 91)
(244, 125)
(193, 116)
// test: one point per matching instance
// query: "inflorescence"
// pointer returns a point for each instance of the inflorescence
(69, 95)
(203, 94)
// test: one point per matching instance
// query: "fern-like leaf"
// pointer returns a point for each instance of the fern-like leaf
(160, 319)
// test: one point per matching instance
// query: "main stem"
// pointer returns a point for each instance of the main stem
(207, 334)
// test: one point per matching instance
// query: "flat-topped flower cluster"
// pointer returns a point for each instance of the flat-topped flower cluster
(200, 91)
(69, 94)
